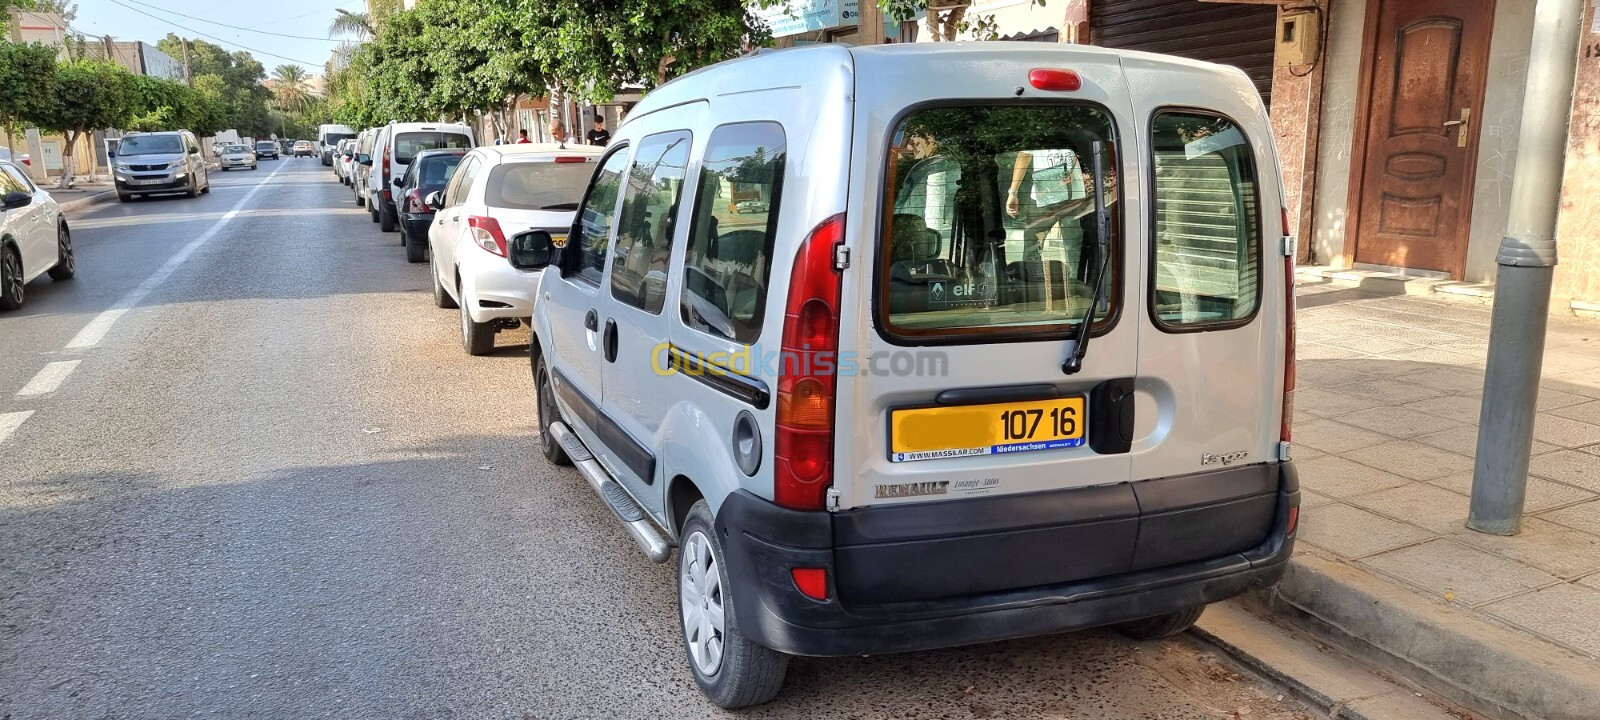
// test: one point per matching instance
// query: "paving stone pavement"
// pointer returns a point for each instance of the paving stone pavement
(1386, 416)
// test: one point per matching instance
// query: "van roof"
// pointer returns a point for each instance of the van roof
(802, 63)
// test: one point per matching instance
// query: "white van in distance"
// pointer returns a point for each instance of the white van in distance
(913, 346)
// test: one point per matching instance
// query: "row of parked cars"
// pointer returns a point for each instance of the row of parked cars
(827, 331)
(455, 205)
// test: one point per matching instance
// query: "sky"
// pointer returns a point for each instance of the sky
(307, 19)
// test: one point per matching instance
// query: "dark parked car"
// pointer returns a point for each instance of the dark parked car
(266, 149)
(429, 172)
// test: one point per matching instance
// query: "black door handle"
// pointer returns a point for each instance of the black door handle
(591, 321)
(609, 340)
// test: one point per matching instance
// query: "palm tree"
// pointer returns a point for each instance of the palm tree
(354, 24)
(289, 87)
(362, 25)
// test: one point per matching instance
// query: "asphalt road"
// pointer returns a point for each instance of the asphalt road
(273, 485)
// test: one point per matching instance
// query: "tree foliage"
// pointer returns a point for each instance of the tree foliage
(947, 20)
(236, 87)
(161, 104)
(27, 82)
(444, 58)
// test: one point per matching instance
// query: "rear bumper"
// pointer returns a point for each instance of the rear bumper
(763, 542)
(416, 225)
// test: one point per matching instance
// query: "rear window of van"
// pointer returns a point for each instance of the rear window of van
(408, 144)
(990, 224)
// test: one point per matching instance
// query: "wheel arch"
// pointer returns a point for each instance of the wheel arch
(682, 494)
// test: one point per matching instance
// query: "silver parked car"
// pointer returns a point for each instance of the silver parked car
(912, 346)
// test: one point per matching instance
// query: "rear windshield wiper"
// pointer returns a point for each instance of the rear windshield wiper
(1102, 248)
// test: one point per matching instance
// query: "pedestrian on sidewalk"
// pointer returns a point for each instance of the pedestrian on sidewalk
(558, 132)
(599, 135)
(522, 137)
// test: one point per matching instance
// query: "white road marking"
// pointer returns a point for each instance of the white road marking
(49, 378)
(96, 330)
(9, 422)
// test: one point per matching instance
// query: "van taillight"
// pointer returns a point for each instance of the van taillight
(1286, 430)
(803, 446)
(385, 176)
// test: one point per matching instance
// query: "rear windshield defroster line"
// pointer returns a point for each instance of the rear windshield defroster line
(989, 224)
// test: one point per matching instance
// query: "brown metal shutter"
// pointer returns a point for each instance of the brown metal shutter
(1231, 34)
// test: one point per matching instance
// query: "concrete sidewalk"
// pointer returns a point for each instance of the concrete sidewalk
(1386, 416)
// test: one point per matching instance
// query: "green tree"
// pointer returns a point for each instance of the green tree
(946, 19)
(27, 82)
(88, 95)
(161, 104)
(290, 87)
(240, 94)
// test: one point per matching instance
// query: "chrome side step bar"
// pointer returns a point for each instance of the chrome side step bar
(634, 519)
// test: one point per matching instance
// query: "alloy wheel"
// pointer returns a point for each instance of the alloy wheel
(64, 247)
(701, 603)
(13, 276)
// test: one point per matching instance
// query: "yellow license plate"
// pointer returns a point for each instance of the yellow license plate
(963, 430)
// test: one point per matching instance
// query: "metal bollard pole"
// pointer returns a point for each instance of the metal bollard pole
(1522, 285)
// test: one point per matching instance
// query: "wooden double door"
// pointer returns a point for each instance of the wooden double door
(1417, 131)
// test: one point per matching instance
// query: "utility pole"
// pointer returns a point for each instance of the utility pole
(188, 78)
(1527, 262)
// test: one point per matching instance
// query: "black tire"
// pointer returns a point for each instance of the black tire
(748, 674)
(207, 189)
(66, 261)
(1160, 626)
(11, 294)
(545, 399)
(194, 189)
(386, 220)
(360, 201)
(224, 169)
(476, 338)
(372, 209)
(416, 250)
(440, 297)
(122, 197)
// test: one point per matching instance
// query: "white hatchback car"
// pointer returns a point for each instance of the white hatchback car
(497, 192)
(33, 236)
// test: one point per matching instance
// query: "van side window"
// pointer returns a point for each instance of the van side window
(649, 213)
(729, 257)
(1207, 221)
(598, 211)
(990, 225)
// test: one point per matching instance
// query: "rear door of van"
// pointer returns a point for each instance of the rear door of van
(973, 239)
(1212, 343)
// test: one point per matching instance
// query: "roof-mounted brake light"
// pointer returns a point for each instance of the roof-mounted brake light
(1054, 79)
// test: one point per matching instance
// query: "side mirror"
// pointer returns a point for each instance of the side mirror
(399, 181)
(434, 200)
(364, 158)
(16, 199)
(530, 250)
(111, 153)
(194, 151)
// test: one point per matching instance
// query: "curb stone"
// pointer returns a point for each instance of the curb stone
(1325, 679)
(88, 200)
(1497, 671)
